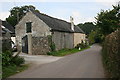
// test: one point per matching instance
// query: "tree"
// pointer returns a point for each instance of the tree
(16, 13)
(87, 27)
(95, 36)
(107, 21)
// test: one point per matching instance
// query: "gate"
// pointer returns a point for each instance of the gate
(25, 44)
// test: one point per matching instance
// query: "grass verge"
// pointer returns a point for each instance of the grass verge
(13, 69)
(64, 52)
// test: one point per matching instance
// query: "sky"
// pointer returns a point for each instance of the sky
(81, 10)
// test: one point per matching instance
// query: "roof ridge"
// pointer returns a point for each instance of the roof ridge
(53, 17)
(56, 24)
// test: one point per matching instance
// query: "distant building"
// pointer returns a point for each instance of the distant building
(34, 28)
(8, 32)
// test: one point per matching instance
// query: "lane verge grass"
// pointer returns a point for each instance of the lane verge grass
(64, 52)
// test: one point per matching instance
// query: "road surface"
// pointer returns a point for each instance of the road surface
(84, 64)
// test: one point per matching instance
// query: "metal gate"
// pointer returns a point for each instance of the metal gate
(25, 44)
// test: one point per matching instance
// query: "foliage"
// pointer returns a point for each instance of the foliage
(87, 27)
(95, 37)
(51, 43)
(111, 54)
(17, 60)
(52, 46)
(82, 45)
(107, 21)
(11, 64)
(63, 52)
(16, 13)
(8, 59)
(12, 69)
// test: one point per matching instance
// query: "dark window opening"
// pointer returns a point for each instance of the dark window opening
(28, 27)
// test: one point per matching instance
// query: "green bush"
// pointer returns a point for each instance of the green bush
(53, 47)
(17, 60)
(111, 55)
(81, 45)
(51, 44)
(8, 59)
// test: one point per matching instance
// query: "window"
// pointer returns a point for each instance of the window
(28, 27)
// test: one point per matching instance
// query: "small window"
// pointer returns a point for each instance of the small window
(28, 27)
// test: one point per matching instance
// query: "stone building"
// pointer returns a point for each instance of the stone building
(34, 28)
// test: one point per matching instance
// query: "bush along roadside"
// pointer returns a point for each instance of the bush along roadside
(63, 52)
(10, 64)
(111, 55)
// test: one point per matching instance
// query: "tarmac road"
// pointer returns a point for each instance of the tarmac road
(84, 64)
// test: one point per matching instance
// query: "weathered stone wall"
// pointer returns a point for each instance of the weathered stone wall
(39, 28)
(62, 40)
(78, 38)
(40, 45)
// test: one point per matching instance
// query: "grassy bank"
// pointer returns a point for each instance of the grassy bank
(64, 52)
(13, 69)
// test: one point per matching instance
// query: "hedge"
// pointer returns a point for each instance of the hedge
(111, 54)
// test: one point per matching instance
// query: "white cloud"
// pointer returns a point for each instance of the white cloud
(79, 18)
(4, 15)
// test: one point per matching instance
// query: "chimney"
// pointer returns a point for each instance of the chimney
(72, 24)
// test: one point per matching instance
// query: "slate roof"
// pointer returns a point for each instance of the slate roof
(4, 30)
(57, 24)
(8, 27)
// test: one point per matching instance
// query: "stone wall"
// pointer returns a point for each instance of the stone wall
(63, 40)
(40, 45)
(39, 28)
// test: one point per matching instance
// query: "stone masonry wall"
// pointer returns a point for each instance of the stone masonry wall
(39, 28)
(40, 45)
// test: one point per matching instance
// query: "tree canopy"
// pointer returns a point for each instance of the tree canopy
(87, 27)
(16, 13)
(107, 21)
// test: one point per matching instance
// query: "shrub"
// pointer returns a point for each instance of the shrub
(17, 60)
(53, 47)
(8, 59)
(51, 44)
(111, 54)
(82, 45)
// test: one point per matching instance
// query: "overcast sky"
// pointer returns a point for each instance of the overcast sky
(81, 10)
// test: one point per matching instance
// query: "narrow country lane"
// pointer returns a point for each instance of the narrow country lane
(84, 64)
